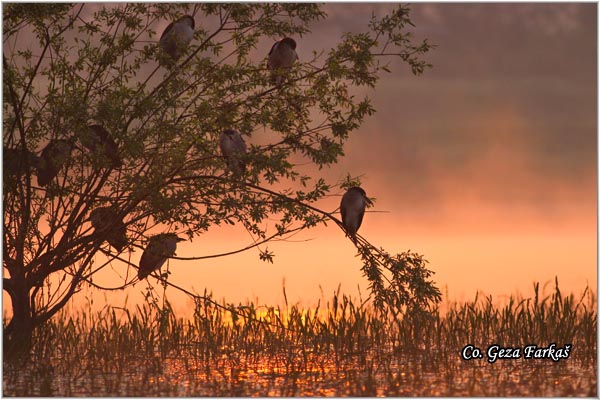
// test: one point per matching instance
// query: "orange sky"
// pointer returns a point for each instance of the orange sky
(486, 165)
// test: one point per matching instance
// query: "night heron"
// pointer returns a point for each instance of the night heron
(106, 221)
(282, 56)
(353, 205)
(54, 155)
(97, 140)
(233, 149)
(159, 248)
(177, 36)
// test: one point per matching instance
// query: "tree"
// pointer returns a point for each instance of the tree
(154, 163)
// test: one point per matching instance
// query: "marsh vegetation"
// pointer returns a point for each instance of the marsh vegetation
(343, 347)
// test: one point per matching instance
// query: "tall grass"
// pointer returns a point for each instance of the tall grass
(340, 348)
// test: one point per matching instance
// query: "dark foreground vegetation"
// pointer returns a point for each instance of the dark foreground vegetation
(342, 348)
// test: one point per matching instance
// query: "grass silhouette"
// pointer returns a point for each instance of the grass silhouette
(340, 348)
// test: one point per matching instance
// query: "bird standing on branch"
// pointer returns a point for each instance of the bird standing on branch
(177, 36)
(95, 137)
(54, 155)
(233, 149)
(106, 221)
(353, 205)
(160, 247)
(281, 57)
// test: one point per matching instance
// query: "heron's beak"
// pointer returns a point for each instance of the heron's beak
(180, 239)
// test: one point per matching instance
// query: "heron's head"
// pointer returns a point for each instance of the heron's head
(96, 127)
(189, 20)
(94, 132)
(105, 214)
(360, 191)
(230, 133)
(59, 149)
(173, 236)
(289, 41)
(95, 217)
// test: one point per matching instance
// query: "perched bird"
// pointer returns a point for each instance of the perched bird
(177, 36)
(353, 207)
(233, 149)
(159, 248)
(54, 155)
(105, 220)
(282, 56)
(96, 137)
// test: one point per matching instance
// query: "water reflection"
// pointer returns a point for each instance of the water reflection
(349, 351)
(295, 374)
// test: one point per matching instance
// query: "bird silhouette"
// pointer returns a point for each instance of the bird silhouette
(159, 248)
(281, 57)
(54, 155)
(352, 206)
(96, 137)
(177, 36)
(106, 221)
(233, 149)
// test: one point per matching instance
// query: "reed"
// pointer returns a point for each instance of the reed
(342, 348)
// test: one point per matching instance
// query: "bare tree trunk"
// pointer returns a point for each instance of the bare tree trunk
(18, 332)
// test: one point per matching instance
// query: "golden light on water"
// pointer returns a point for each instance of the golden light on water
(488, 171)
